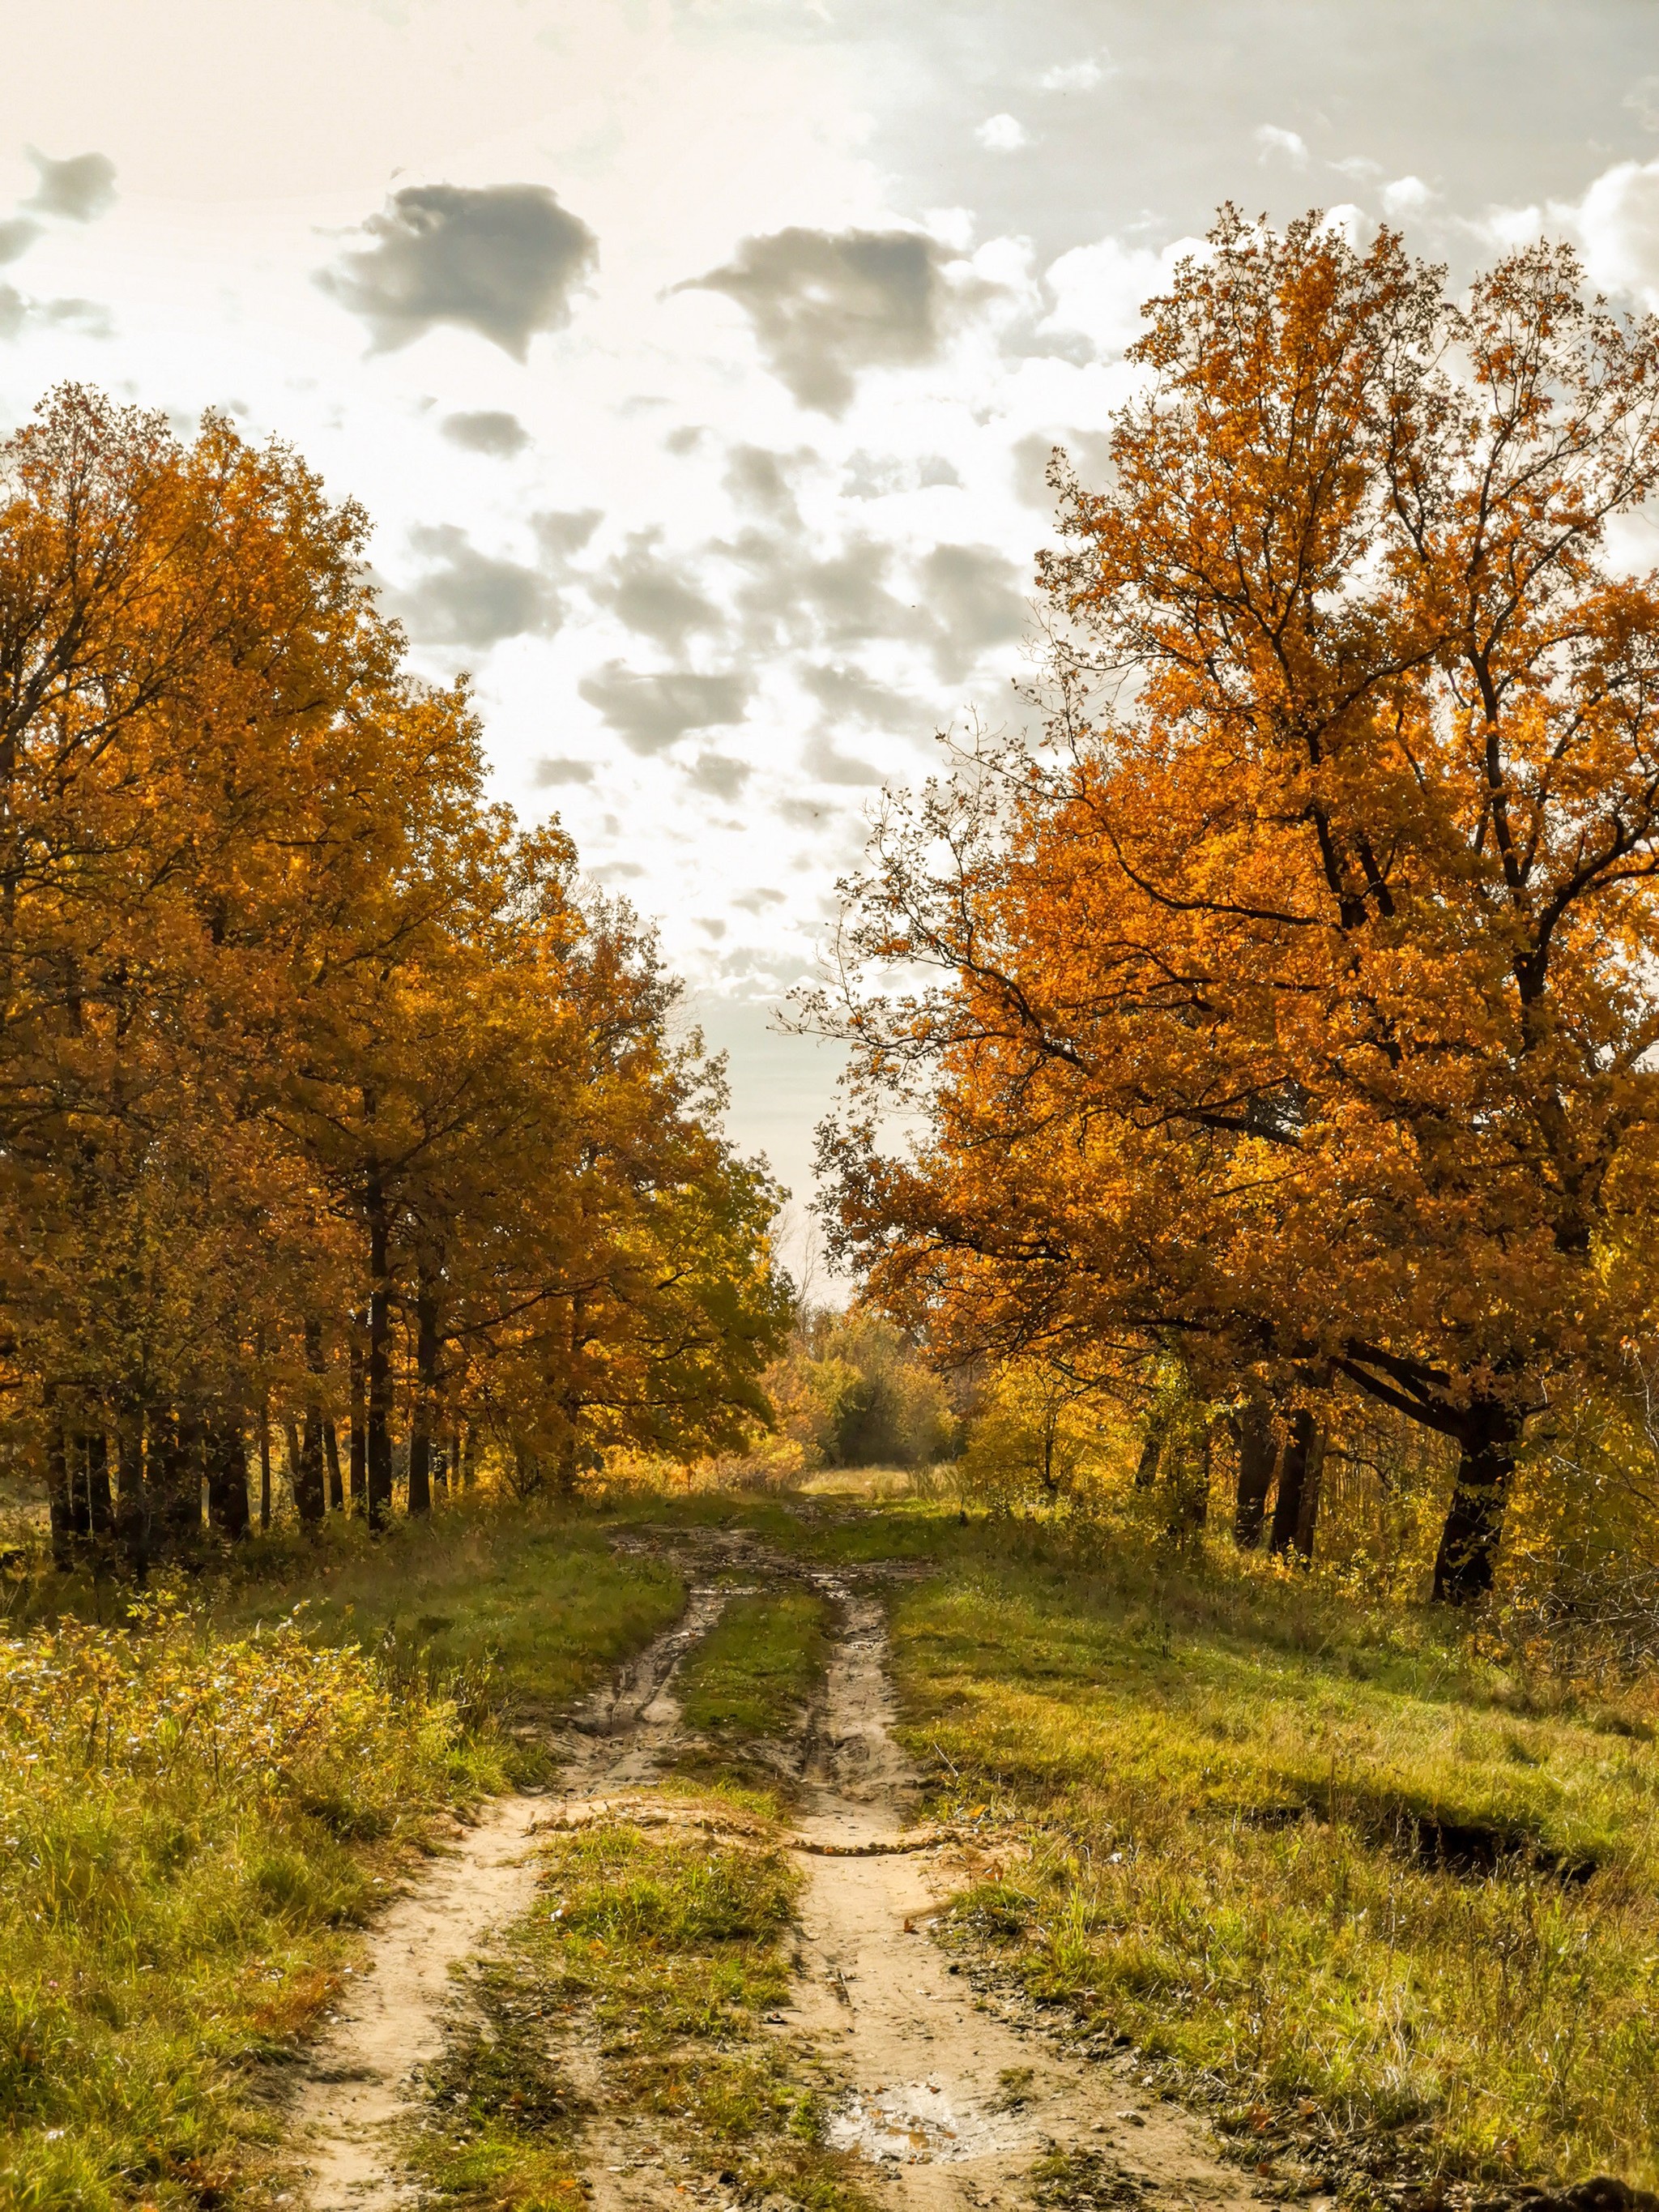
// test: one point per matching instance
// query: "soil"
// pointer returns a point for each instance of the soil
(948, 2101)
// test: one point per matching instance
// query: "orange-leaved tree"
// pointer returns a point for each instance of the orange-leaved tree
(1293, 1004)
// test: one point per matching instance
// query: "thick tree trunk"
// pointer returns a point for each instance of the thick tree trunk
(1289, 1521)
(331, 1457)
(379, 1410)
(423, 1406)
(1151, 1452)
(264, 1470)
(1313, 1483)
(226, 1475)
(1258, 1458)
(1474, 1522)
(359, 1436)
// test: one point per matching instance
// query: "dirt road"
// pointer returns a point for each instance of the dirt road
(948, 2103)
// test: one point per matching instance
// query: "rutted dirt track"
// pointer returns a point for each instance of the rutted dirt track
(950, 2104)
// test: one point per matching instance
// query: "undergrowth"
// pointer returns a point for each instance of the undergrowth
(201, 1802)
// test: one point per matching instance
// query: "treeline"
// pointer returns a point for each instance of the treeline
(333, 1119)
(1284, 1036)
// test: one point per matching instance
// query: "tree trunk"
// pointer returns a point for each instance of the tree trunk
(1258, 1457)
(379, 1421)
(1313, 1477)
(60, 1508)
(1474, 1522)
(305, 1471)
(331, 1455)
(175, 1481)
(265, 1469)
(100, 1500)
(466, 1455)
(1293, 1478)
(1151, 1452)
(132, 1510)
(424, 1404)
(226, 1475)
(359, 1470)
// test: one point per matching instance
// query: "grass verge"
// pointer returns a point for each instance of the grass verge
(1390, 1921)
(622, 2019)
(200, 1807)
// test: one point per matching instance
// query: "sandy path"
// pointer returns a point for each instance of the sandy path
(362, 2077)
(951, 2103)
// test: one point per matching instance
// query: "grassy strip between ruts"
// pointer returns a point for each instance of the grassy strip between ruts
(1396, 1926)
(195, 1813)
(748, 1689)
(621, 2018)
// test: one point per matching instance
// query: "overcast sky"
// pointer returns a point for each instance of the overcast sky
(699, 362)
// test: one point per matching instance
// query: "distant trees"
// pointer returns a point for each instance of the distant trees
(852, 1390)
(327, 1111)
(1294, 1007)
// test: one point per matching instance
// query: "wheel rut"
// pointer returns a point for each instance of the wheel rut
(945, 2103)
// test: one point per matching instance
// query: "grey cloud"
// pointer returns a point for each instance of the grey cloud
(649, 712)
(81, 188)
(550, 772)
(16, 237)
(85, 316)
(715, 929)
(879, 476)
(492, 430)
(503, 260)
(720, 773)
(850, 694)
(826, 304)
(803, 814)
(686, 439)
(757, 901)
(975, 597)
(1088, 451)
(619, 872)
(826, 765)
(655, 597)
(842, 600)
(561, 532)
(469, 597)
(754, 478)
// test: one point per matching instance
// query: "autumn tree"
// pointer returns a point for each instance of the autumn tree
(1292, 1007)
(314, 1070)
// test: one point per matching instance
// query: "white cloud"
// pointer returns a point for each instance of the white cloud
(1075, 76)
(1099, 289)
(1291, 143)
(1001, 134)
(1405, 196)
(1617, 223)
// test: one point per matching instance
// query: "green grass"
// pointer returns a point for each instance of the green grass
(756, 1672)
(1307, 1858)
(657, 1954)
(526, 1609)
(198, 1811)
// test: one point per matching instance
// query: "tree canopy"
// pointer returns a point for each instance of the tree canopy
(322, 1090)
(1291, 1003)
